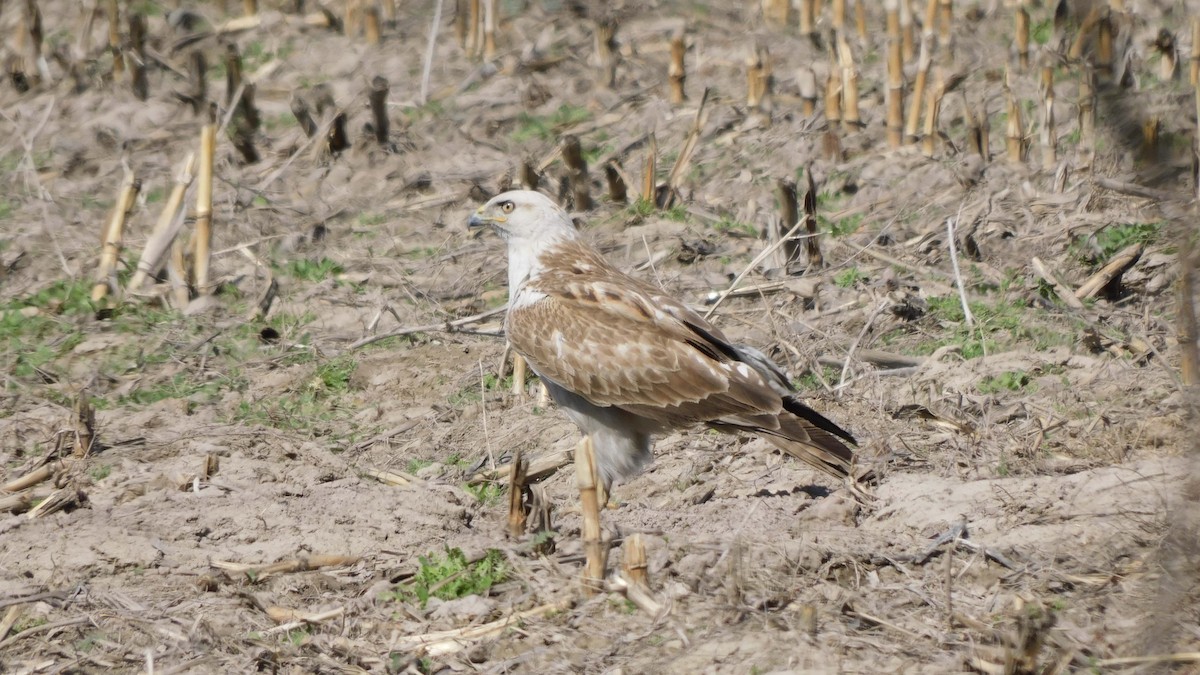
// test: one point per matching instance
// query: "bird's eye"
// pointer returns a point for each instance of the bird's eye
(507, 207)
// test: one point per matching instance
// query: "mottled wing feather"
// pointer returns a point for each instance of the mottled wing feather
(610, 357)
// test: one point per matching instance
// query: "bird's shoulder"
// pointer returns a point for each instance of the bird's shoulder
(578, 280)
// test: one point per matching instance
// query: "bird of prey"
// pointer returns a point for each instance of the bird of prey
(627, 362)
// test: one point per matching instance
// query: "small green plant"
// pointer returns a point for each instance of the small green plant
(334, 376)
(101, 472)
(284, 120)
(849, 277)
(1042, 31)
(370, 219)
(548, 127)
(990, 321)
(29, 622)
(842, 226)
(313, 270)
(624, 605)
(88, 643)
(640, 207)
(488, 494)
(1002, 468)
(6, 209)
(810, 381)
(736, 226)
(1112, 239)
(298, 636)
(315, 404)
(432, 109)
(178, 387)
(415, 465)
(450, 576)
(1012, 380)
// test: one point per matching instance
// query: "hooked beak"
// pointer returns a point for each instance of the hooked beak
(478, 220)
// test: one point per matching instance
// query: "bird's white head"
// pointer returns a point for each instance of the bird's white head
(530, 222)
(524, 217)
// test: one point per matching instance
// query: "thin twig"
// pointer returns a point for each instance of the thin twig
(309, 620)
(427, 68)
(446, 326)
(766, 252)
(962, 291)
(854, 345)
(44, 628)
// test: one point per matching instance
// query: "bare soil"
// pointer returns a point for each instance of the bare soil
(1049, 445)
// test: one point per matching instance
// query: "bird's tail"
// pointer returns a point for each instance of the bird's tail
(812, 438)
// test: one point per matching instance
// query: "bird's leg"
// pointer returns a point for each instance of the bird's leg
(594, 547)
(518, 375)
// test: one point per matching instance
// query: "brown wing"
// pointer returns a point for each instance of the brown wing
(617, 342)
(611, 354)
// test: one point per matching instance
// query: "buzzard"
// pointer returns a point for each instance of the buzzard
(626, 362)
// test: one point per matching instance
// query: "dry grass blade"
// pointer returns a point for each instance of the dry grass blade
(111, 237)
(895, 77)
(1049, 139)
(539, 468)
(42, 473)
(1186, 329)
(10, 618)
(44, 628)
(395, 478)
(595, 549)
(850, 115)
(1119, 263)
(1178, 657)
(633, 560)
(84, 422)
(918, 92)
(166, 228)
(1014, 132)
(675, 178)
(1021, 17)
(306, 621)
(56, 501)
(807, 18)
(1060, 289)
(301, 564)
(445, 642)
(1194, 72)
(758, 77)
(517, 512)
(676, 73)
(650, 171)
(446, 326)
(639, 595)
(204, 203)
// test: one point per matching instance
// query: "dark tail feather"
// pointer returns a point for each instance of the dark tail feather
(794, 406)
(814, 446)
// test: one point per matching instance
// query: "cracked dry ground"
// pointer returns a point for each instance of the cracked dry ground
(1049, 438)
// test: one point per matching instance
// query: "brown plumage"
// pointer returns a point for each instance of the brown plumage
(626, 362)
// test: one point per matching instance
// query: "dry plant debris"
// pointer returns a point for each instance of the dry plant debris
(253, 399)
